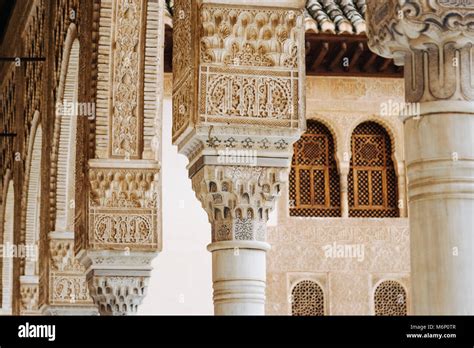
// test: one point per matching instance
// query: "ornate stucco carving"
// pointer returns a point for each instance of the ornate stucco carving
(123, 186)
(258, 53)
(249, 65)
(33, 43)
(238, 199)
(299, 254)
(127, 91)
(29, 293)
(238, 107)
(128, 50)
(104, 68)
(31, 193)
(123, 208)
(119, 295)
(67, 283)
(183, 66)
(366, 97)
(433, 39)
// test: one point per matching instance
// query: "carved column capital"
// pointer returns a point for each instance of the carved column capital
(119, 295)
(238, 199)
(118, 280)
(434, 40)
(396, 26)
(29, 292)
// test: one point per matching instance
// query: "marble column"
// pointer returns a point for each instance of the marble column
(238, 201)
(434, 40)
(238, 107)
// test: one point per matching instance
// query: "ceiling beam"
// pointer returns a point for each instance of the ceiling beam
(324, 49)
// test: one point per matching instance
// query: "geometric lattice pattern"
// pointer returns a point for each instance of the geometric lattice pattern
(314, 180)
(307, 299)
(390, 299)
(372, 182)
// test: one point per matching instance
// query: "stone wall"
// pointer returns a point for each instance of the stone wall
(380, 247)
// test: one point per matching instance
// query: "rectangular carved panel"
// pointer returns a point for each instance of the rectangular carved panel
(127, 93)
(183, 66)
(244, 97)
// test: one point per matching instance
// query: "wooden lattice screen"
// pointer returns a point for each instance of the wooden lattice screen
(372, 179)
(314, 180)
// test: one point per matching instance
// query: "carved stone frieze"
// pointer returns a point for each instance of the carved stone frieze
(70, 289)
(62, 256)
(124, 181)
(249, 65)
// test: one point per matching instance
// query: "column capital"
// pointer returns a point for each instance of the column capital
(238, 199)
(29, 292)
(118, 280)
(118, 295)
(395, 26)
(120, 232)
(434, 40)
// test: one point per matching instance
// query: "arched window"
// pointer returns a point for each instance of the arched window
(390, 298)
(6, 288)
(307, 299)
(314, 180)
(372, 179)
